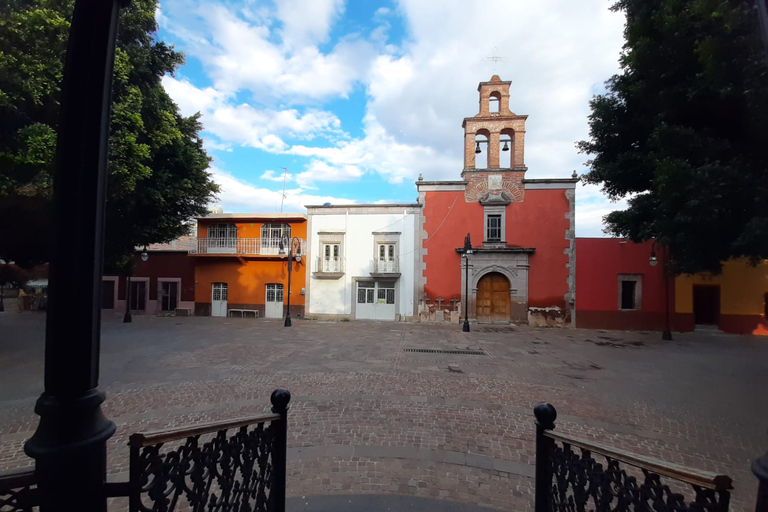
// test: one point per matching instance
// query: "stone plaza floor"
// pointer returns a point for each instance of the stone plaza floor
(371, 417)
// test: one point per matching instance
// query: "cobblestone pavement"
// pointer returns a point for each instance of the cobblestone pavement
(371, 417)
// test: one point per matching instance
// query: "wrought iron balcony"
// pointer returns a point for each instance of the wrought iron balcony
(385, 266)
(242, 246)
(333, 267)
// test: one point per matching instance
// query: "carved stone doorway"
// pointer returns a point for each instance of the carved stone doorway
(493, 298)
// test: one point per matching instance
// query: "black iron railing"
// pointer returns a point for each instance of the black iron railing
(242, 467)
(18, 490)
(576, 475)
(227, 465)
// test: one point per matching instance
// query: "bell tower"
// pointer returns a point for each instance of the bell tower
(495, 130)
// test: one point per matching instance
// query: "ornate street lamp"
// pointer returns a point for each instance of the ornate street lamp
(294, 247)
(666, 335)
(467, 252)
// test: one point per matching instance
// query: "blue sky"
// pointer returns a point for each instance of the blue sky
(358, 98)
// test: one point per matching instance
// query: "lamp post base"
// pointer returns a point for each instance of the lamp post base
(465, 327)
(666, 335)
(287, 321)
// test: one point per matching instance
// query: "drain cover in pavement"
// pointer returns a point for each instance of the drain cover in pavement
(455, 352)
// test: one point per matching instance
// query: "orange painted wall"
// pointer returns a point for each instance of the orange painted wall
(538, 221)
(247, 280)
(247, 277)
(252, 229)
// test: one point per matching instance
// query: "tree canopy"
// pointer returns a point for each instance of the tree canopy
(680, 132)
(157, 166)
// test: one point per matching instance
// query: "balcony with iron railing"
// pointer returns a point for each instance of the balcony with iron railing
(329, 268)
(242, 246)
(385, 268)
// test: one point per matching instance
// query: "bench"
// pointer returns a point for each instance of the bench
(243, 312)
(187, 311)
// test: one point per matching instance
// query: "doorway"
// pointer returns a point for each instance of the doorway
(219, 299)
(274, 303)
(706, 304)
(169, 295)
(375, 300)
(138, 295)
(493, 298)
(107, 294)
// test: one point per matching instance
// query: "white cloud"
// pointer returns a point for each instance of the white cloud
(238, 196)
(591, 207)
(245, 125)
(307, 21)
(271, 176)
(273, 70)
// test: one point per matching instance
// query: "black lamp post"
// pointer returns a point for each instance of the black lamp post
(69, 445)
(294, 247)
(666, 335)
(467, 252)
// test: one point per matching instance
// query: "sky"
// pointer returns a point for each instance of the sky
(357, 99)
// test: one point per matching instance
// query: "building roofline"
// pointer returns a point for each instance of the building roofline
(365, 205)
(254, 216)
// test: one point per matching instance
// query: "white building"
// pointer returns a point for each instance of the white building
(364, 262)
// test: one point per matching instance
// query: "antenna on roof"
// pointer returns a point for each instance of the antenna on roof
(285, 177)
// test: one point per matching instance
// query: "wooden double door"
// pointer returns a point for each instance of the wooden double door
(493, 302)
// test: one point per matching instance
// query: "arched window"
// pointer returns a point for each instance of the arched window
(272, 235)
(481, 149)
(494, 102)
(506, 148)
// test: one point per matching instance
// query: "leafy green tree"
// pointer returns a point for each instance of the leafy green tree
(157, 165)
(681, 131)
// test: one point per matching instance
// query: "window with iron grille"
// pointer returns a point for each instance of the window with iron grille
(276, 231)
(493, 228)
(222, 231)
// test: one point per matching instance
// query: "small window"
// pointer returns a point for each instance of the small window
(493, 228)
(630, 292)
(628, 295)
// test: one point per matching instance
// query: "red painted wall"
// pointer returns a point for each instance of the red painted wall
(598, 263)
(538, 221)
(164, 264)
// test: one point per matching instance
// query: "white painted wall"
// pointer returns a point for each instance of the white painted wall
(335, 296)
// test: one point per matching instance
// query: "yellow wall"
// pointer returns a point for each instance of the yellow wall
(742, 288)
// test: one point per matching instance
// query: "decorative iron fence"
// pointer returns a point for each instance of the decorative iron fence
(386, 266)
(18, 490)
(242, 246)
(577, 475)
(241, 467)
(330, 266)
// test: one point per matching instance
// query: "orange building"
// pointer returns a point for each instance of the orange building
(241, 264)
(521, 267)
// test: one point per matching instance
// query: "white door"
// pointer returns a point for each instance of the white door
(375, 300)
(274, 303)
(385, 300)
(386, 262)
(219, 300)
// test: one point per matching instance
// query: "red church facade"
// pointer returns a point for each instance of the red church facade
(521, 266)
